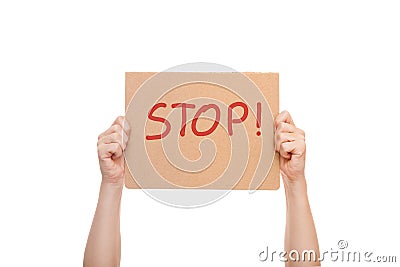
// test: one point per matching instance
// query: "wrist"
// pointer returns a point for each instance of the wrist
(111, 188)
(295, 187)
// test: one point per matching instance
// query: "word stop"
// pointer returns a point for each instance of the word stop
(201, 110)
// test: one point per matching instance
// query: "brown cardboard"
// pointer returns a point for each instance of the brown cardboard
(267, 84)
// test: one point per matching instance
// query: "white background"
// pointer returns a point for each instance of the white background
(62, 83)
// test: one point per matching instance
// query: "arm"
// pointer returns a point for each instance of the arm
(103, 247)
(300, 231)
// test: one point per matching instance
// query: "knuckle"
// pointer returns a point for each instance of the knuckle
(101, 140)
(282, 147)
(279, 127)
(120, 120)
(285, 113)
(297, 136)
(99, 149)
(115, 136)
(117, 128)
(114, 127)
(302, 147)
(278, 137)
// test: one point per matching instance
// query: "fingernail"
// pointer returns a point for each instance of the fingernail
(124, 138)
(124, 146)
(126, 126)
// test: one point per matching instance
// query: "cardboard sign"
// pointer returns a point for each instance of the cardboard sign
(199, 130)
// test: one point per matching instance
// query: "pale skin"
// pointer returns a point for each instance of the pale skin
(300, 233)
(103, 248)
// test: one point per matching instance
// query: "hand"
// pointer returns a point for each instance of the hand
(290, 143)
(110, 147)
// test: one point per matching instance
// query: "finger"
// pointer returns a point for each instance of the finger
(284, 137)
(127, 131)
(284, 116)
(126, 126)
(119, 120)
(288, 149)
(112, 150)
(115, 128)
(123, 123)
(113, 138)
(288, 128)
(285, 127)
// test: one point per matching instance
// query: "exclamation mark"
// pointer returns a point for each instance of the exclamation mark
(258, 122)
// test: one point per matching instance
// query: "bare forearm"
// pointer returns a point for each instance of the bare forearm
(300, 229)
(103, 247)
